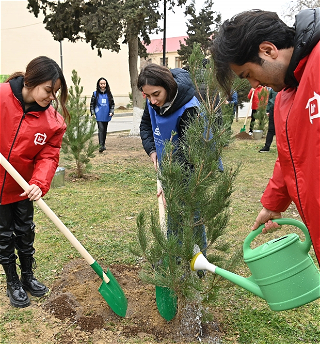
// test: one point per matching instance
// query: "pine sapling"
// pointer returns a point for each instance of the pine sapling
(77, 144)
(197, 189)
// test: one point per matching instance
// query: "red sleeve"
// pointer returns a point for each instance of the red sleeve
(275, 196)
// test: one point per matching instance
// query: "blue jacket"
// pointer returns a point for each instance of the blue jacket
(178, 121)
(102, 108)
(163, 126)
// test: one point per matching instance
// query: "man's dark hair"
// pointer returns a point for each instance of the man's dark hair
(239, 38)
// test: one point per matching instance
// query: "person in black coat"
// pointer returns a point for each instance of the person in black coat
(271, 129)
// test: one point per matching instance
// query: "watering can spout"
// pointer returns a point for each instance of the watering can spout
(199, 262)
(246, 283)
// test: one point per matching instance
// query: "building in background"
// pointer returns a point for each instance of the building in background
(24, 37)
(155, 51)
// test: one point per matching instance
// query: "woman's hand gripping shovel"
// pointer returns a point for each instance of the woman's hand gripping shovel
(166, 298)
(110, 288)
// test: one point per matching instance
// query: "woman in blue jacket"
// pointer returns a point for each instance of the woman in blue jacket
(171, 103)
(102, 107)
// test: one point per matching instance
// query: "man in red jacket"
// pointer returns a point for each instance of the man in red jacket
(258, 46)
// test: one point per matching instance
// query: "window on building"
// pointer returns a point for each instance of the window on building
(178, 62)
(161, 61)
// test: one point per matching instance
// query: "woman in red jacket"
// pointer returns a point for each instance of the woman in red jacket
(31, 135)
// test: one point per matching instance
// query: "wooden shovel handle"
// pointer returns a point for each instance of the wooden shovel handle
(250, 104)
(162, 212)
(52, 216)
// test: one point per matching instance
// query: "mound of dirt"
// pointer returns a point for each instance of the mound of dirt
(75, 298)
(243, 136)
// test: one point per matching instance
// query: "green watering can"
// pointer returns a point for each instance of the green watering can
(283, 272)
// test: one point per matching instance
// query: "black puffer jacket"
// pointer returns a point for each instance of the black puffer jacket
(307, 26)
(185, 93)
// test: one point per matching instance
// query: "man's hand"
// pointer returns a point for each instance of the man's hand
(264, 217)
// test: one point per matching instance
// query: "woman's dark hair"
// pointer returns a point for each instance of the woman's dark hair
(40, 70)
(155, 75)
(107, 85)
(239, 38)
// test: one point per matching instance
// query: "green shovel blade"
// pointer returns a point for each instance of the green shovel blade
(112, 291)
(166, 302)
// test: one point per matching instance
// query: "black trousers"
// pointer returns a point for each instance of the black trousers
(271, 131)
(253, 119)
(102, 133)
(16, 230)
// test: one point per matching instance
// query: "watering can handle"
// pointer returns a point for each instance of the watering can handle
(296, 223)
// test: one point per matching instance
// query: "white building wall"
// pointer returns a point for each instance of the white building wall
(23, 37)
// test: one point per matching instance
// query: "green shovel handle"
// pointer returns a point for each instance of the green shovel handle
(302, 226)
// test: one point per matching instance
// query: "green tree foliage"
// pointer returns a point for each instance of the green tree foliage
(261, 114)
(104, 24)
(3, 77)
(197, 194)
(77, 142)
(243, 88)
(199, 29)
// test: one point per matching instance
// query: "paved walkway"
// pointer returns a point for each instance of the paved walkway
(120, 122)
(123, 121)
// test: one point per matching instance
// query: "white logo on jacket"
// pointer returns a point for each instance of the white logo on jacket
(157, 131)
(40, 139)
(313, 105)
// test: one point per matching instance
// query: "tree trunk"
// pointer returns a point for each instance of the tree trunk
(137, 98)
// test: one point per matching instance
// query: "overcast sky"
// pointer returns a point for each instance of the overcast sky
(176, 22)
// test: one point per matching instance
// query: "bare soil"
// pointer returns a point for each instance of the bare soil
(75, 312)
(243, 136)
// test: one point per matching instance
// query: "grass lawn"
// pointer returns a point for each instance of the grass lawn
(101, 212)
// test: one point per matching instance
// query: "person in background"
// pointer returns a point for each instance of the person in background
(31, 136)
(233, 100)
(259, 46)
(102, 107)
(254, 105)
(271, 129)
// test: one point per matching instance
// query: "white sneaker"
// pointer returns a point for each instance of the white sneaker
(250, 133)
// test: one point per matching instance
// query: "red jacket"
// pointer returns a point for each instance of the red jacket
(31, 142)
(297, 169)
(255, 99)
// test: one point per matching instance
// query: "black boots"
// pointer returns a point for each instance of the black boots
(29, 282)
(18, 297)
(102, 148)
(16, 289)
